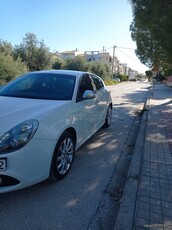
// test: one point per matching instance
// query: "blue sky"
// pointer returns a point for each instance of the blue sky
(69, 24)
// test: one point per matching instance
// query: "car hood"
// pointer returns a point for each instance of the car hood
(16, 110)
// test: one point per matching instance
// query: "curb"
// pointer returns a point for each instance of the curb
(125, 217)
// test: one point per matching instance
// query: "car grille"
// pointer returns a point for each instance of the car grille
(8, 181)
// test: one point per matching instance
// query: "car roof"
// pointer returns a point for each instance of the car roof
(69, 72)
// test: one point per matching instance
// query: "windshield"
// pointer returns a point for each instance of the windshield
(49, 86)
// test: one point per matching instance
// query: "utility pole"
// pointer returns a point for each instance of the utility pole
(113, 59)
(103, 49)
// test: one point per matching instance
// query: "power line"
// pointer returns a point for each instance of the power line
(109, 48)
(126, 54)
(125, 48)
(130, 48)
(116, 47)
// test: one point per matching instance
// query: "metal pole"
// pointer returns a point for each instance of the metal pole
(113, 58)
(153, 87)
(153, 82)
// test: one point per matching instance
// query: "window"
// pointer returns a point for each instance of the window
(85, 84)
(48, 86)
(98, 82)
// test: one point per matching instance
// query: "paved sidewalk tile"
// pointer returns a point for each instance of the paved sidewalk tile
(154, 198)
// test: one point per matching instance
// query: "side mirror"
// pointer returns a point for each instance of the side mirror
(88, 94)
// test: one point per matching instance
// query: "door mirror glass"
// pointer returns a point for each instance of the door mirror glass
(88, 94)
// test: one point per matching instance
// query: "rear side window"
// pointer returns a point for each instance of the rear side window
(98, 82)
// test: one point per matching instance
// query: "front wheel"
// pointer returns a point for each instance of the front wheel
(108, 119)
(62, 157)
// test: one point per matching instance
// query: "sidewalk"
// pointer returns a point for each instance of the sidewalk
(147, 196)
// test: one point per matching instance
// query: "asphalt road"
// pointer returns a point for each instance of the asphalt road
(75, 202)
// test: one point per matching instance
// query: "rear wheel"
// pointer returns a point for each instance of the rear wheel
(108, 119)
(63, 156)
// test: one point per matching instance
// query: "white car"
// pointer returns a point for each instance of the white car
(116, 79)
(45, 117)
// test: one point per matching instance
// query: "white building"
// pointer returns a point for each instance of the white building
(103, 57)
(132, 74)
(70, 54)
(97, 56)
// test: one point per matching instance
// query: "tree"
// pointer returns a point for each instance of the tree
(123, 77)
(79, 63)
(58, 64)
(100, 69)
(33, 52)
(148, 51)
(6, 48)
(152, 30)
(9, 68)
(148, 74)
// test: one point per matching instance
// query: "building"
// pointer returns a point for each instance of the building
(98, 56)
(122, 69)
(132, 74)
(70, 54)
(104, 57)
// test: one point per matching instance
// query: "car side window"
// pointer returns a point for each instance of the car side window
(85, 84)
(98, 82)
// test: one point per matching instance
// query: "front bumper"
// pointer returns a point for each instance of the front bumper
(27, 166)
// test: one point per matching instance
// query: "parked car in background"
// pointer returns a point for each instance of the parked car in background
(45, 117)
(116, 79)
(169, 81)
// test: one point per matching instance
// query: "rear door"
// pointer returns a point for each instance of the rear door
(101, 99)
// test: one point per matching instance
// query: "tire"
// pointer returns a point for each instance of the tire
(108, 119)
(62, 157)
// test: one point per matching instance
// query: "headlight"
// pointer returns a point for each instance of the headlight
(18, 136)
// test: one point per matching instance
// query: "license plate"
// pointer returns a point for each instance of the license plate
(3, 164)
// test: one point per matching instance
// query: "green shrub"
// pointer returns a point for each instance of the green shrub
(123, 77)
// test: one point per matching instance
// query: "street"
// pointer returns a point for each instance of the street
(78, 201)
